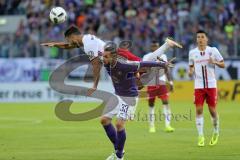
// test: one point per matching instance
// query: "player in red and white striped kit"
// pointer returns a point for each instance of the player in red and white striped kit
(202, 62)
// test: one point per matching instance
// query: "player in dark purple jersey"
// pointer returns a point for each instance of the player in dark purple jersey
(124, 82)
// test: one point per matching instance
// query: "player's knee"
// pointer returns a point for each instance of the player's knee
(213, 112)
(199, 110)
(105, 121)
(120, 125)
(151, 103)
(165, 102)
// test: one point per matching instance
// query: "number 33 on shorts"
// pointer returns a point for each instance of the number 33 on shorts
(126, 112)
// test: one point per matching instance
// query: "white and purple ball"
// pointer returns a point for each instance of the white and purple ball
(58, 15)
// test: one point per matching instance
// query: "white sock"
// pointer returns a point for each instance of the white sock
(151, 116)
(215, 122)
(199, 124)
(167, 114)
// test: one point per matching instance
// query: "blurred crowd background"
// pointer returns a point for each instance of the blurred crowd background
(138, 20)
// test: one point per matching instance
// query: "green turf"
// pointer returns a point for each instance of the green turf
(32, 132)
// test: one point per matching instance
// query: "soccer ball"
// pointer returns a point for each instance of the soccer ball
(58, 15)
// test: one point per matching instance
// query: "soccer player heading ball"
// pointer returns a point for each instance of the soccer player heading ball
(124, 83)
(202, 62)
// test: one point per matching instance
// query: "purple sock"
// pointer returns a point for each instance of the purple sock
(111, 133)
(121, 137)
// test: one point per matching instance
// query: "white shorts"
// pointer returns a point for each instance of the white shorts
(125, 108)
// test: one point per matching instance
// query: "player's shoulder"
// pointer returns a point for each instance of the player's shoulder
(214, 49)
(125, 64)
(88, 37)
(121, 64)
(211, 47)
(191, 51)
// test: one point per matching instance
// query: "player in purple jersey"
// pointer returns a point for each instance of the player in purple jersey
(124, 82)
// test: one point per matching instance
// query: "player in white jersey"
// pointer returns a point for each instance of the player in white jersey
(93, 47)
(202, 62)
(157, 88)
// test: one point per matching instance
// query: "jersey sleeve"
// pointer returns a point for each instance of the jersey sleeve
(90, 46)
(190, 59)
(217, 55)
(130, 66)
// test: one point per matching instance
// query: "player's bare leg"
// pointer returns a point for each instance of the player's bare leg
(215, 122)
(167, 114)
(173, 43)
(169, 43)
(199, 124)
(152, 128)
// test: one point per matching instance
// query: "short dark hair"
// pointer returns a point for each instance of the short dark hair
(201, 31)
(125, 44)
(154, 42)
(72, 30)
(111, 46)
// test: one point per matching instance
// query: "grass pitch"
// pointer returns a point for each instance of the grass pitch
(32, 132)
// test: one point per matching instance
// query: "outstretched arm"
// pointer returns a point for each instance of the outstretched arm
(63, 45)
(138, 66)
(161, 64)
